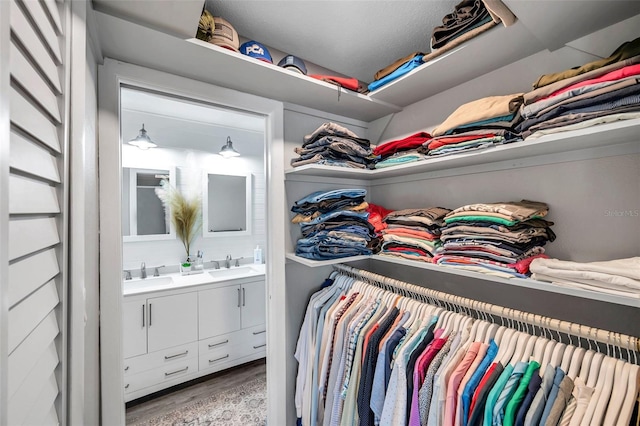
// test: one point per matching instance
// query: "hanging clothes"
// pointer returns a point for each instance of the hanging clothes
(368, 357)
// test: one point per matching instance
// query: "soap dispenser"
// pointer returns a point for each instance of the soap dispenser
(199, 264)
(257, 255)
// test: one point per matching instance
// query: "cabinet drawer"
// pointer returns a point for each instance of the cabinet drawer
(166, 375)
(165, 357)
(219, 342)
(221, 358)
(255, 335)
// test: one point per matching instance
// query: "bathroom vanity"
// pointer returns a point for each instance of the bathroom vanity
(177, 328)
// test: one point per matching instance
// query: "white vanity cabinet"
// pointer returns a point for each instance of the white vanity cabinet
(177, 334)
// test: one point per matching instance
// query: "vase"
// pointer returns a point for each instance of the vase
(186, 265)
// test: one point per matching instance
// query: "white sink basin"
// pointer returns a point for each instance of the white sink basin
(139, 284)
(234, 272)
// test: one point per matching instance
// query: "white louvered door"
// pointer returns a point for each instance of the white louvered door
(37, 228)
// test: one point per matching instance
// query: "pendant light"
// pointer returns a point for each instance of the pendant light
(228, 151)
(142, 141)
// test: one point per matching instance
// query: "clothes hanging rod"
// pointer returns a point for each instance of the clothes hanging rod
(443, 299)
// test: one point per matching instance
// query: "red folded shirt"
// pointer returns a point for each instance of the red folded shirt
(348, 83)
(376, 214)
(410, 142)
(449, 140)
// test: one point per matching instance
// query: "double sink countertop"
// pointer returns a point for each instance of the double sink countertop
(173, 281)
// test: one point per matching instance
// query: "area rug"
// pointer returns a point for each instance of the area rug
(245, 405)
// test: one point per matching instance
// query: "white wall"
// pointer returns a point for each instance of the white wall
(172, 252)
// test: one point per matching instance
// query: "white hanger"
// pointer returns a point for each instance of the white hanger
(498, 334)
(576, 362)
(528, 349)
(492, 329)
(633, 388)
(585, 365)
(603, 390)
(510, 340)
(556, 356)
(594, 369)
(521, 342)
(566, 358)
(620, 384)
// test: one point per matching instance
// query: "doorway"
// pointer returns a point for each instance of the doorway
(190, 122)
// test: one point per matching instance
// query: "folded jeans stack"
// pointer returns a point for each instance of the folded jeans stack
(413, 233)
(499, 239)
(602, 91)
(400, 151)
(458, 27)
(476, 125)
(335, 145)
(334, 224)
(619, 277)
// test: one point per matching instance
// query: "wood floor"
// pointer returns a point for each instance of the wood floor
(171, 399)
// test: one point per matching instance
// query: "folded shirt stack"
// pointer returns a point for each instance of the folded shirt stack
(334, 224)
(334, 145)
(618, 277)
(499, 239)
(602, 91)
(400, 151)
(476, 125)
(469, 19)
(413, 233)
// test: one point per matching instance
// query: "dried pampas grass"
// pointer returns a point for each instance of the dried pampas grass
(186, 213)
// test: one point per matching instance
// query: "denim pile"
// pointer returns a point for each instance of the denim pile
(413, 233)
(500, 239)
(334, 224)
(334, 145)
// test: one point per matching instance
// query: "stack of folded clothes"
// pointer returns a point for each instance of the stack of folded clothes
(499, 239)
(602, 91)
(469, 19)
(400, 151)
(334, 224)
(334, 145)
(413, 233)
(619, 276)
(476, 125)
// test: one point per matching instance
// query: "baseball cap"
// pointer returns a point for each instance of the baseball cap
(224, 34)
(294, 63)
(256, 50)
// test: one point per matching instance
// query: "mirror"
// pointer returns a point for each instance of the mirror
(226, 205)
(143, 214)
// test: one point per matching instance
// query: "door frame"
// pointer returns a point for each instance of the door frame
(112, 75)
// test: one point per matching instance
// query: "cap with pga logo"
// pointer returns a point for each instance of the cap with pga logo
(256, 50)
(293, 63)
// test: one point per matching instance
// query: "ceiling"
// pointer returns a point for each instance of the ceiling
(354, 38)
(181, 124)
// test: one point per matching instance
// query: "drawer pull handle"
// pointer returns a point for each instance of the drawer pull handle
(176, 355)
(260, 346)
(255, 333)
(126, 368)
(176, 372)
(219, 359)
(126, 386)
(218, 344)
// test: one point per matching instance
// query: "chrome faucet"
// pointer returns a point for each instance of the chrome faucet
(127, 274)
(238, 261)
(143, 271)
(227, 262)
(216, 263)
(156, 272)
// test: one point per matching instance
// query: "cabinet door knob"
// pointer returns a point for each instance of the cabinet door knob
(126, 386)
(244, 297)
(126, 368)
(142, 316)
(238, 298)
(219, 359)
(255, 333)
(176, 355)
(177, 371)
(149, 314)
(260, 346)
(218, 344)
